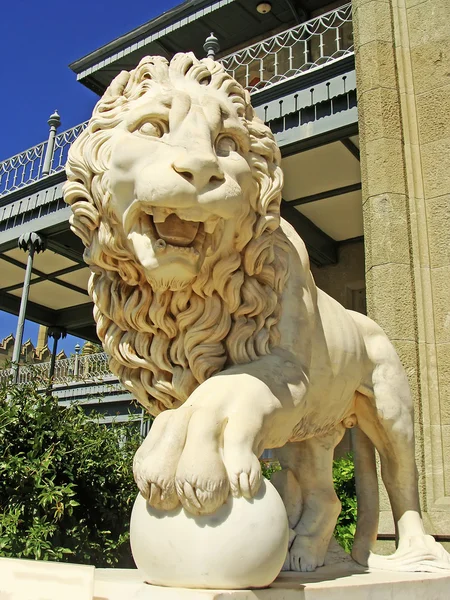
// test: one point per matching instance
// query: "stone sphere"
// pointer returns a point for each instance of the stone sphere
(242, 545)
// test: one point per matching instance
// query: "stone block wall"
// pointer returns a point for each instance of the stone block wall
(402, 50)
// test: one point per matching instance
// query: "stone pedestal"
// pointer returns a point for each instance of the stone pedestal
(337, 582)
(25, 579)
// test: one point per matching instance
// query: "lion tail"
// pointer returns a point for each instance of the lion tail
(367, 496)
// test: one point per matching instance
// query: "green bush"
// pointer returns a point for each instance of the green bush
(269, 467)
(344, 484)
(66, 483)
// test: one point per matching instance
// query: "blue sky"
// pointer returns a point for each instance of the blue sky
(38, 40)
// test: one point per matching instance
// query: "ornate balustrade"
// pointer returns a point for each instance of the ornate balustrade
(22, 169)
(286, 55)
(63, 141)
(27, 167)
(90, 368)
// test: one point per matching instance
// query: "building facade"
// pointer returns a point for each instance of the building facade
(357, 96)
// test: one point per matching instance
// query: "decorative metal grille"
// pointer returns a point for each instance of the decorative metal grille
(26, 168)
(93, 367)
(307, 46)
(63, 141)
(22, 169)
(89, 368)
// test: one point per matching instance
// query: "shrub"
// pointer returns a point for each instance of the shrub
(66, 484)
(344, 484)
(269, 467)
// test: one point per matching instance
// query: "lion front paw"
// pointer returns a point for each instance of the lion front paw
(156, 485)
(194, 455)
(244, 472)
(155, 463)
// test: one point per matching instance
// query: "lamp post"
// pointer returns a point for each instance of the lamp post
(31, 243)
(56, 333)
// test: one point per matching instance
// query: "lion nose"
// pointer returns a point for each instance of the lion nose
(198, 169)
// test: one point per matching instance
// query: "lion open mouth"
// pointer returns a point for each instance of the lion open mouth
(174, 230)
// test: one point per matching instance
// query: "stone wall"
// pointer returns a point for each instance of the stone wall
(344, 281)
(402, 50)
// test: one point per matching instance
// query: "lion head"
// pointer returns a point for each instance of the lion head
(175, 188)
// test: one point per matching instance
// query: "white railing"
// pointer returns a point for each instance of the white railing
(307, 46)
(22, 169)
(290, 53)
(27, 167)
(63, 141)
(89, 368)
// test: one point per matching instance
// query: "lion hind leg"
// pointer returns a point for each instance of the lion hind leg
(387, 419)
(367, 495)
(290, 491)
(312, 464)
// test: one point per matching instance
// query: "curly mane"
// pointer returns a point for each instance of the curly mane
(162, 342)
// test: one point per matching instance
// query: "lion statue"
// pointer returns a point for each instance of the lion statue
(205, 302)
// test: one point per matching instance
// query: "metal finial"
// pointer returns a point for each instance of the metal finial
(32, 240)
(57, 332)
(54, 120)
(211, 46)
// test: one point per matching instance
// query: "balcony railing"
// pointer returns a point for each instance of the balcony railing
(308, 46)
(26, 167)
(286, 55)
(90, 368)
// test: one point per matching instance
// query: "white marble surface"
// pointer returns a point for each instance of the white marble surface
(22, 579)
(205, 302)
(243, 544)
(337, 582)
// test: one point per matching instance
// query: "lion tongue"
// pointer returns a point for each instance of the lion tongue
(177, 232)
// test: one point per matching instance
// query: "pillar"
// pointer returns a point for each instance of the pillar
(31, 243)
(402, 50)
(42, 338)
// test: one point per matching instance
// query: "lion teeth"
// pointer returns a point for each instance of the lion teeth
(160, 214)
(210, 224)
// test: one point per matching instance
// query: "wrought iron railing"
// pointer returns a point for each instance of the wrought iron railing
(63, 141)
(286, 55)
(27, 167)
(90, 368)
(22, 169)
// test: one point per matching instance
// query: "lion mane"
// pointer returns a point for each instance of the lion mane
(162, 342)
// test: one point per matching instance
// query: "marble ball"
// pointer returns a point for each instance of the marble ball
(242, 545)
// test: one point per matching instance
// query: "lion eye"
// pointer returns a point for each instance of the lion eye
(152, 129)
(225, 144)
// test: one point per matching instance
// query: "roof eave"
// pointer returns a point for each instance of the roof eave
(152, 27)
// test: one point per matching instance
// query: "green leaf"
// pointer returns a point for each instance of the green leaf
(66, 482)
